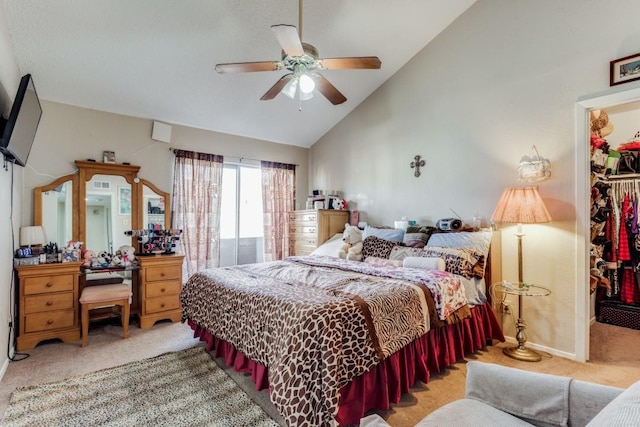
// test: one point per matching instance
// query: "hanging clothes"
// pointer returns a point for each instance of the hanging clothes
(624, 254)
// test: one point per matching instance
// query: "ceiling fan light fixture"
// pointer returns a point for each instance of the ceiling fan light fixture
(291, 88)
(307, 85)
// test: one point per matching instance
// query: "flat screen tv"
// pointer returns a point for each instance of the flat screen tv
(20, 127)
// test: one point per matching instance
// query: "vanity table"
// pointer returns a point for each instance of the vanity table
(95, 206)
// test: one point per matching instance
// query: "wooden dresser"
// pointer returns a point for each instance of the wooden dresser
(48, 303)
(310, 228)
(160, 286)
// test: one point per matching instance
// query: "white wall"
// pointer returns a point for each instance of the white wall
(11, 201)
(504, 76)
(67, 133)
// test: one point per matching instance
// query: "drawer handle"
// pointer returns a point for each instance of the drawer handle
(312, 230)
(162, 274)
(49, 284)
(162, 305)
(49, 302)
(161, 289)
(49, 322)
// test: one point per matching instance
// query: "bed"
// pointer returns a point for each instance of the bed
(332, 339)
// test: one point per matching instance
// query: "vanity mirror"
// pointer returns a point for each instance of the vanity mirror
(58, 200)
(98, 204)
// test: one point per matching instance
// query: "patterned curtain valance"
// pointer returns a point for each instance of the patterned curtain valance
(276, 165)
(199, 156)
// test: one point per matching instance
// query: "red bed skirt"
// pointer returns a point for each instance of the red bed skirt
(386, 382)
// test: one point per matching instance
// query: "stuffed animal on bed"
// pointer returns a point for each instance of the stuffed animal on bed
(352, 246)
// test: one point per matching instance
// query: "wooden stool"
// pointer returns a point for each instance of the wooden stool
(104, 296)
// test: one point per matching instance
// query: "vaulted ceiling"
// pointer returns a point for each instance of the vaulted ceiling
(155, 58)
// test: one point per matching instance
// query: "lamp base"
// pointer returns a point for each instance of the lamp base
(522, 353)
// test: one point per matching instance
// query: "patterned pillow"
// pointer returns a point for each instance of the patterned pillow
(399, 253)
(458, 261)
(374, 246)
(415, 240)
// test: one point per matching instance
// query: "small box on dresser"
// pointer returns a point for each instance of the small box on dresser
(310, 228)
(47, 303)
(160, 287)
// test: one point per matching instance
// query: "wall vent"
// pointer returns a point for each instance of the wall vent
(101, 185)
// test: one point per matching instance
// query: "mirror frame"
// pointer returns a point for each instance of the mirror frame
(167, 204)
(37, 201)
(86, 171)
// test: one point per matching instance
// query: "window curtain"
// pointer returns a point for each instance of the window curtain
(278, 199)
(197, 188)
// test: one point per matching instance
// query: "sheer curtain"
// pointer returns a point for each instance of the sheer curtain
(278, 199)
(197, 187)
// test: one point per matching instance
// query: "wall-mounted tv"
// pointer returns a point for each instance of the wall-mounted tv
(19, 129)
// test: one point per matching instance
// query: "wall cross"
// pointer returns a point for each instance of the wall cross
(417, 164)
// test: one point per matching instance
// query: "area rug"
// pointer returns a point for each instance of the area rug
(184, 388)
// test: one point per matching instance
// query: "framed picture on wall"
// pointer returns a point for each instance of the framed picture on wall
(625, 69)
(124, 200)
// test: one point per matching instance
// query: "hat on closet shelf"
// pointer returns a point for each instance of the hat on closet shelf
(600, 124)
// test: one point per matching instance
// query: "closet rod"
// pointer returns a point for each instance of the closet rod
(629, 176)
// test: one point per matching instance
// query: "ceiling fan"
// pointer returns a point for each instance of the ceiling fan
(304, 66)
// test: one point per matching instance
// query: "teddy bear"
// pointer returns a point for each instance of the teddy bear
(88, 258)
(352, 247)
(127, 256)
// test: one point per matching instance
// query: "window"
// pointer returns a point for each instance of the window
(241, 225)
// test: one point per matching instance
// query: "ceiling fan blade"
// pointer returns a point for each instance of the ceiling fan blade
(289, 39)
(276, 88)
(247, 67)
(366, 62)
(328, 90)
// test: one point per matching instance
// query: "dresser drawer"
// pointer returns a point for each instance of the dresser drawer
(168, 272)
(303, 229)
(49, 320)
(155, 305)
(45, 284)
(48, 302)
(158, 289)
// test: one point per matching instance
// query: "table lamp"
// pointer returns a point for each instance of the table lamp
(31, 235)
(521, 206)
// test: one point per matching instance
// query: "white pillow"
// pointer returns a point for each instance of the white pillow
(391, 234)
(331, 247)
(426, 263)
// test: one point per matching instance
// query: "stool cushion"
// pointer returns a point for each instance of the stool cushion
(104, 293)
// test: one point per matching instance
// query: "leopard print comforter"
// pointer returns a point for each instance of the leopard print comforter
(315, 325)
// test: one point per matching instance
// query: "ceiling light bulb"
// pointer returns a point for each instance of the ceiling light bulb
(290, 88)
(307, 85)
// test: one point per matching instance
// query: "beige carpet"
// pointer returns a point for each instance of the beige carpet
(182, 388)
(612, 363)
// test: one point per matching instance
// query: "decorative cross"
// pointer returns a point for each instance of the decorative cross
(417, 163)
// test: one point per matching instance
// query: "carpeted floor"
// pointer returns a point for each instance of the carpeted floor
(611, 363)
(182, 388)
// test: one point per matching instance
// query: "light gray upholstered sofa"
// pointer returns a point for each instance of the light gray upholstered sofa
(499, 396)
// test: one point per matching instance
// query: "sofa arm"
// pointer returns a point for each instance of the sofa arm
(532, 396)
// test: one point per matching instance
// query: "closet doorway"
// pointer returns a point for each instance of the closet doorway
(619, 106)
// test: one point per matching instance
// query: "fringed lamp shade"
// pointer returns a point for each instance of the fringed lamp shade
(521, 205)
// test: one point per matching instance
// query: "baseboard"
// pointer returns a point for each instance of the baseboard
(543, 349)
(4, 368)
(592, 321)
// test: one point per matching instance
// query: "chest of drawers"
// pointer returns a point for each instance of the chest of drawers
(160, 286)
(47, 304)
(310, 228)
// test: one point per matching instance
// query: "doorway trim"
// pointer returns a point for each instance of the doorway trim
(583, 231)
